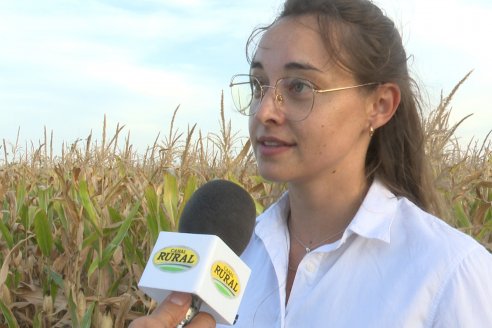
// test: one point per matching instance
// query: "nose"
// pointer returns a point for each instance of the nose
(268, 109)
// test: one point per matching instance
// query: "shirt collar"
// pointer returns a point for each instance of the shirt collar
(277, 217)
(373, 219)
(376, 214)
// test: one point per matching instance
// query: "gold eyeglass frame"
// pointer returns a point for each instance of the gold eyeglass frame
(278, 97)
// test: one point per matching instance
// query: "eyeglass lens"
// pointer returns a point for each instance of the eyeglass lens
(293, 96)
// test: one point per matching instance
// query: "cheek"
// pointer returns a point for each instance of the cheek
(324, 132)
(318, 140)
(251, 123)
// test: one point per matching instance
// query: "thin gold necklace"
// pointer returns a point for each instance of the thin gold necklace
(309, 248)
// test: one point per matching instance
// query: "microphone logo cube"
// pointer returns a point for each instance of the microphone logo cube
(198, 264)
(175, 259)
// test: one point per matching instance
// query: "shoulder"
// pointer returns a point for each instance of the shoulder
(419, 227)
(405, 227)
(417, 238)
(445, 262)
(461, 264)
(465, 296)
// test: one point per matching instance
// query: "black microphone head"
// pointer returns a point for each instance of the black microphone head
(220, 208)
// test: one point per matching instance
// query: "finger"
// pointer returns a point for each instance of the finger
(168, 314)
(146, 322)
(173, 309)
(202, 320)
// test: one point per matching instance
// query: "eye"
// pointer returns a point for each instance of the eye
(256, 88)
(296, 86)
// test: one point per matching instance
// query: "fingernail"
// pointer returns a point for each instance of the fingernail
(179, 298)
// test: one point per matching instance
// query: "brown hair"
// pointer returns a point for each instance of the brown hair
(364, 41)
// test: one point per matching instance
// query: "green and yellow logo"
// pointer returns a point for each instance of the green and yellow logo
(225, 279)
(175, 259)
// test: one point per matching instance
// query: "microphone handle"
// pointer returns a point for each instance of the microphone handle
(196, 302)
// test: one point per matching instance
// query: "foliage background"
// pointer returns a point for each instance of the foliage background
(76, 229)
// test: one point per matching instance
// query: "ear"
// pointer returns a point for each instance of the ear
(383, 104)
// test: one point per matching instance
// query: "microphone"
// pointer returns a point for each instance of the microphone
(203, 257)
(220, 208)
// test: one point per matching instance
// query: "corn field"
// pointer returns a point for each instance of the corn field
(76, 229)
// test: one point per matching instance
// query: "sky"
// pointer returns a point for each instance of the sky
(66, 64)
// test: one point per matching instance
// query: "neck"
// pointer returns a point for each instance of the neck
(318, 212)
(324, 208)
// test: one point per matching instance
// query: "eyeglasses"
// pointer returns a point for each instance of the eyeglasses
(293, 96)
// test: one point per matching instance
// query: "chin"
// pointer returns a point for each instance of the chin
(273, 175)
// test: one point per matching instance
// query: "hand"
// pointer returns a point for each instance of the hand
(171, 312)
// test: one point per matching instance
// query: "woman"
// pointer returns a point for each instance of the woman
(334, 114)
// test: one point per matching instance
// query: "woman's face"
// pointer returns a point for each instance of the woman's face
(333, 139)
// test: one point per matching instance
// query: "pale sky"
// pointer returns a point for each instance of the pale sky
(64, 64)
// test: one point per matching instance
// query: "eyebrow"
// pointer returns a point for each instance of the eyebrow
(290, 66)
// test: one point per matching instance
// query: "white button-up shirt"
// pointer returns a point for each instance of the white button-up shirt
(395, 266)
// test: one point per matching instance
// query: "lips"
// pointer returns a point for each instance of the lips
(269, 146)
(273, 142)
